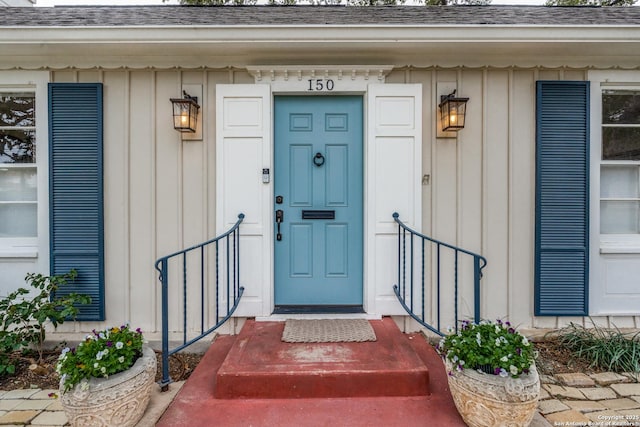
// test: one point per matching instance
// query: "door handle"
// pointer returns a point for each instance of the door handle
(279, 219)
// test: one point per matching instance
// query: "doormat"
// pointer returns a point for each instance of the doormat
(328, 330)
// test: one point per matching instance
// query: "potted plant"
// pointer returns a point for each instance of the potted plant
(107, 379)
(492, 374)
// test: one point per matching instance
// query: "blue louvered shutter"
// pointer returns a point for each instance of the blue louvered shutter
(562, 199)
(76, 190)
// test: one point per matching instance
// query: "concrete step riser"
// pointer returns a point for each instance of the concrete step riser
(259, 365)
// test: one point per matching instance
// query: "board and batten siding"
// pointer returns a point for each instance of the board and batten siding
(480, 193)
(159, 191)
(478, 190)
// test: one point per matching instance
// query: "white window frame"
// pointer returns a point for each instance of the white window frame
(608, 243)
(614, 258)
(36, 82)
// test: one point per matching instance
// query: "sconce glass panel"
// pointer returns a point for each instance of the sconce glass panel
(185, 114)
(452, 113)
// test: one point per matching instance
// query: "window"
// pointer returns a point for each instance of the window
(18, 171)
(620, 163)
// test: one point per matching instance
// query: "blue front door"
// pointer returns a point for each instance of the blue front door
(318, 201)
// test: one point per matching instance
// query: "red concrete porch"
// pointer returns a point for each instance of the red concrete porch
(255, 379)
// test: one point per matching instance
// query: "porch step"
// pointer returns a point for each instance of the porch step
(196, 406)
(260, 365)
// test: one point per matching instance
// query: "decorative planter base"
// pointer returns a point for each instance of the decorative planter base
(119, 400)
(485, 400)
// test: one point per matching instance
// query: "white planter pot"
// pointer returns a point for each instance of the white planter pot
(119, 400)
(485, 400)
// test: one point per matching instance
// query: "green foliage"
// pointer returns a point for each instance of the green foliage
(590, 2)
(495, 348)
(608, 349)
(8, 344)
(23, 315)
(101, 354)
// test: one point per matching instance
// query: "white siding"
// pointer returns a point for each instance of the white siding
(160, 191)
(478, 192)
(481, 189)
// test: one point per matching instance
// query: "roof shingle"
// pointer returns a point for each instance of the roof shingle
(136, 16)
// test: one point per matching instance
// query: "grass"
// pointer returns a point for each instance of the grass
(608, 349)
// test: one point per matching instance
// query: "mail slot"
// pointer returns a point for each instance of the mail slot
(318, 214)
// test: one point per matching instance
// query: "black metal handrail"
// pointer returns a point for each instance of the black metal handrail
(231, 275)
(405, 289)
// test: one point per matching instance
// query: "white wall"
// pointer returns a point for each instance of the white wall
(481, 189)
(160, 191)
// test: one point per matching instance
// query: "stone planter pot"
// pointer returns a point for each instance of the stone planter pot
(119, 400)
(485, 400)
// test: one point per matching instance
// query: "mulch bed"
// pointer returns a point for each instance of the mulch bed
(555, 359)
(181, 365)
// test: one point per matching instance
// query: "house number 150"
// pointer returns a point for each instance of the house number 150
(320, 84)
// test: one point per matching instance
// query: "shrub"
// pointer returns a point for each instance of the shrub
(23, 317)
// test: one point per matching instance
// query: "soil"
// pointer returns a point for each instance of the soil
(44, 376)
(555, 359)
(552, 359)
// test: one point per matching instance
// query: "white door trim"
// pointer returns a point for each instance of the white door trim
(243, 149)
(392, 174)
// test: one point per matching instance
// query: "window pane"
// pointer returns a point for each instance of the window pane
(619, 181)
(619, 217)
(17, 146)
(17, 109)
(18, 220)
(621, 106)
(18, 185)
(620, 143)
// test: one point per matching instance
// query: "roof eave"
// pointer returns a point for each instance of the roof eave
(469, 45)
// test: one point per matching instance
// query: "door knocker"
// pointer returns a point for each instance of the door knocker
(318, 159)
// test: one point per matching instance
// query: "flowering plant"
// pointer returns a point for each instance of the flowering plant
(101, 354)
(495, 348)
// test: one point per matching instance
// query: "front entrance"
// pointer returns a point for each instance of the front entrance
(318, 179)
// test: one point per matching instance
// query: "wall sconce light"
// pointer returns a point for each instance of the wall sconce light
(452, 112)
(185, 113)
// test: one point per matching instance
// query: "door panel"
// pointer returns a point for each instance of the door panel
(337, 176)
(318, 172)
(336, 250)
(301, 252)
(301, 180)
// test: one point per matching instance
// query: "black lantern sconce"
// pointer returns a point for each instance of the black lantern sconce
(452, 112)
(185, 113)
